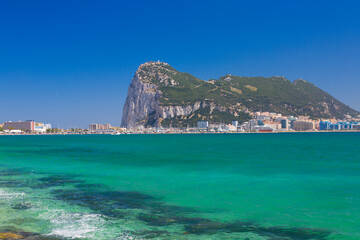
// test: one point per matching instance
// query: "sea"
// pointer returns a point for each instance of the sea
(278, 186)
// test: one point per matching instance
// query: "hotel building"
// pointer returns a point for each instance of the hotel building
(28, 125)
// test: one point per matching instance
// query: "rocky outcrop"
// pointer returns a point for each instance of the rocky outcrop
(141, 103)
(143, 107)
(158, 94)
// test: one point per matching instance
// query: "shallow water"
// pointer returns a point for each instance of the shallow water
(221, 186)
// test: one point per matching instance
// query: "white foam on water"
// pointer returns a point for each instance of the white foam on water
(69, 224)
(73, 225)
(10, 195)
(81, 225)
(65, 223)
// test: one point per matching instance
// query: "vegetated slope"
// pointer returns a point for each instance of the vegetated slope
(181, 99)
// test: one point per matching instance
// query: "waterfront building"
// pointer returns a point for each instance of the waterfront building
(327, 125)
(230, 128)
(273, 125)
(303, 126)
(346, 125)
(356, 127)
(343, 126)
(252, 124)
(202, 124)
(292, 120)
(27, 125)
(335, 126)
(244, 126)
(40, 129)
(263, 129)
(93, 127)
(98, 126)
(324, 125)
(284, 124)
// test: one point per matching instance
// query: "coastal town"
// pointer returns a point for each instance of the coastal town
(261, 122)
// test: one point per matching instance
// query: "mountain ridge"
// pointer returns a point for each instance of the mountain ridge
(159, 95)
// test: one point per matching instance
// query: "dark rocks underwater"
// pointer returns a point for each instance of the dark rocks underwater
(154, 212)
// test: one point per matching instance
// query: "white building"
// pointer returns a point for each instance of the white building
(40, 129)
(230, 128)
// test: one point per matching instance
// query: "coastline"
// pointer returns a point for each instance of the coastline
(164, 133)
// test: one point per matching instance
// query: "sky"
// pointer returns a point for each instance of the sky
(70, 63)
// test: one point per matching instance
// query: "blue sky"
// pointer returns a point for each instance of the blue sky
(70, 62)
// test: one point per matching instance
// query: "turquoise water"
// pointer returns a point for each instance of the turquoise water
(221, 186)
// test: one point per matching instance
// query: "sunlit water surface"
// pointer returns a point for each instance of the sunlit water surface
(221, 186)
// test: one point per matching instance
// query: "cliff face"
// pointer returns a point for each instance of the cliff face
(160, 95)
(142, 106)
(142, 101)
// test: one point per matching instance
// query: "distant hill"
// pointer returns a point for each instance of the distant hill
(160, 95)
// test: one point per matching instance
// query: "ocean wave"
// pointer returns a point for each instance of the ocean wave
(73, 225)
(4, 195)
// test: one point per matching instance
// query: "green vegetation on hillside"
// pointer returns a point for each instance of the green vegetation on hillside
(274, 94)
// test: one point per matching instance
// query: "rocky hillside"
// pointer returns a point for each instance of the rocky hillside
(160, 95)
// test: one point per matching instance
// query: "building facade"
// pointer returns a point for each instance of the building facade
(284, 124)
(356, 127)
(324, 125)
(202, 124)
(327, 125)
(303, 126)
(27, 126)
(98, 126)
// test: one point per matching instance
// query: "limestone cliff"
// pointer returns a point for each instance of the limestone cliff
(141, 102)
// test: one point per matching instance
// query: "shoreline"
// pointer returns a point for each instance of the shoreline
(165, 133)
